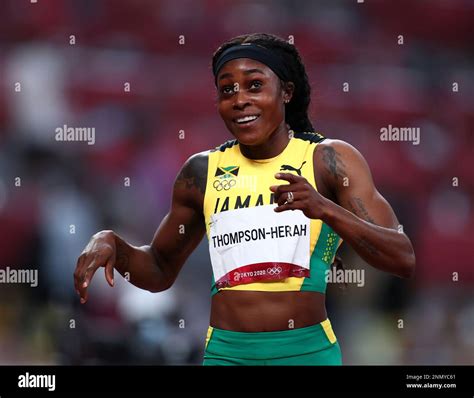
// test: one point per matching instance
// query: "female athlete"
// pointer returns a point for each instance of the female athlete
(275, 203)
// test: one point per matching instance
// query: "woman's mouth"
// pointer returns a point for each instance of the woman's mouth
(245, 121)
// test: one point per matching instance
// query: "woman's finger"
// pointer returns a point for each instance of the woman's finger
(285, 198)
(288, 206)
(109, 271)
(78, 272)
(292, 178)
(86, 278)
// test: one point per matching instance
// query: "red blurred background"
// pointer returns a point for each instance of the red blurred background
(73, 61)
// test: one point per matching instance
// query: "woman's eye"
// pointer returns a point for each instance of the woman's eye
(227, 89)
(256, 84)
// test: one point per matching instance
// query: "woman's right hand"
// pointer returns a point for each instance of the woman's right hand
(99, 252)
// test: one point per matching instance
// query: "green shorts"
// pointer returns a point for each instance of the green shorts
(312, 345)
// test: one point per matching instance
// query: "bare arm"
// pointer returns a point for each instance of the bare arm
(152, 267)
(363, 217)
(359, 214)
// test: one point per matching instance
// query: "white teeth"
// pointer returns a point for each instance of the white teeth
(246, 119)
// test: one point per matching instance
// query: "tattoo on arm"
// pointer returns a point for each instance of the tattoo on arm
(334, 162)
(364, 244)
(359, 209)
(193, 174)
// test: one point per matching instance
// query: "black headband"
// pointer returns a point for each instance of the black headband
(256, 52)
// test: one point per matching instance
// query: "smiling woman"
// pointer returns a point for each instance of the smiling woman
(244, 78)
(268, 290)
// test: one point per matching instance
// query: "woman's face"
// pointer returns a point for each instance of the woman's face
(250, 100)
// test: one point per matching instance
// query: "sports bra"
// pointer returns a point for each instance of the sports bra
(251, 246)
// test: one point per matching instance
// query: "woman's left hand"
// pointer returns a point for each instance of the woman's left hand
(305, 197)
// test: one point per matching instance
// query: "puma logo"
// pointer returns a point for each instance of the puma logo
(291, 168)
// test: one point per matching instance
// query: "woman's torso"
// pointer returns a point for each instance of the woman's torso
(247, 303)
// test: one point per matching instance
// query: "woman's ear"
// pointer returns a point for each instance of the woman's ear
(288, 90)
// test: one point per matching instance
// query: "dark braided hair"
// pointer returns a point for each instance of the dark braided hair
(296, 112)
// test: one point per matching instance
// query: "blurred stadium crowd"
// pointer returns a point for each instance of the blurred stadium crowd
(74, 60)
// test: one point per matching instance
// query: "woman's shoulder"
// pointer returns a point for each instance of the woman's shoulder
(199, 160)
(196, 164)
(332, 148)
(336, 160)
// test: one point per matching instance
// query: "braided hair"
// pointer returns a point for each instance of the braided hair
(296, 111)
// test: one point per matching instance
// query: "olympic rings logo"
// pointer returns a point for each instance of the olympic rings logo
(225, 185)
(274, 270)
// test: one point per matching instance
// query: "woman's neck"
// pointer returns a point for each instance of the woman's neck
(273, 146)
